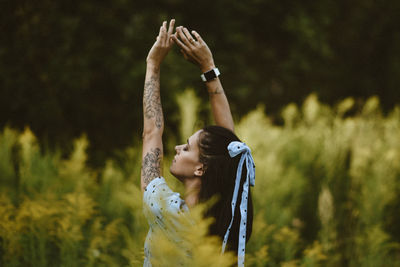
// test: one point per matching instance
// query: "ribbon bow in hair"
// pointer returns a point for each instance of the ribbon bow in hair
(235, 148)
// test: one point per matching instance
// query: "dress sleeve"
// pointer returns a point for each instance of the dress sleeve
(160, 202)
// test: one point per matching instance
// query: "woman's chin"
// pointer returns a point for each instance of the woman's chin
(172, 171)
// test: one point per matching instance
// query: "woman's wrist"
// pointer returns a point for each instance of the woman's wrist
(206, 67)
(152, 66)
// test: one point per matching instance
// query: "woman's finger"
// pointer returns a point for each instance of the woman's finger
(192, 41)
(171, 27)
(163, 32)
(183, 36)
(179, 43)
(159, 34)
(198, 37)
(170, 32)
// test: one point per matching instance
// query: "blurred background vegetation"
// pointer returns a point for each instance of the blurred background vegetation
(73, 67)
(327, 194)
(327, 154)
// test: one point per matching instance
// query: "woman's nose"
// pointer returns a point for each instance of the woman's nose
(178, 148)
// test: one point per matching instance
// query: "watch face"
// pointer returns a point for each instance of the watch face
(210, 75)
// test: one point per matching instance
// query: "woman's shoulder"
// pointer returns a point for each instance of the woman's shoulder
(159, 198)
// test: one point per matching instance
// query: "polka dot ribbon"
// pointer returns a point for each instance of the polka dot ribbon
(235, 148)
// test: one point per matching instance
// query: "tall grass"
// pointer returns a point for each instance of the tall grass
(327, 194)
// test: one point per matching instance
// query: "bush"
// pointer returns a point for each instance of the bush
(326, 194)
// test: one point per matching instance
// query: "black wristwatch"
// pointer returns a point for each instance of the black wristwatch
(210, 75)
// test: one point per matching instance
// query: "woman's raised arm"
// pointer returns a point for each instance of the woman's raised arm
(153, 119)
(196, 51)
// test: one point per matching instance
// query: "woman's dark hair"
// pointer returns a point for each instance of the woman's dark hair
(219, 180)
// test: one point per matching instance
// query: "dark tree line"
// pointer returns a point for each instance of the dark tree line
(68, 67)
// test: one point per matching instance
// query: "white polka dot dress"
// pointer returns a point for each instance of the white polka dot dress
(159, 202)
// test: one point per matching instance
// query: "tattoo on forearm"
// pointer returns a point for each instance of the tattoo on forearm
(216, 91)
(152, 101)
(151, 165)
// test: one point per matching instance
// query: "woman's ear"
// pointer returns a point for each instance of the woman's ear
(199, 171)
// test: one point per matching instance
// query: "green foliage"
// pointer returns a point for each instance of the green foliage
(68, 68)
(189, 105)
(326, 194)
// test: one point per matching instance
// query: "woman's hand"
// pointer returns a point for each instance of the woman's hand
(194, 50)
(162, 45)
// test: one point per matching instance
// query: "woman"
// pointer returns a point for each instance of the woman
(213, 162)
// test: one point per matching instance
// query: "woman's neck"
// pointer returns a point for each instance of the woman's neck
(192, 190)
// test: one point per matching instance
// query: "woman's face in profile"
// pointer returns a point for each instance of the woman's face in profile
(186, 162)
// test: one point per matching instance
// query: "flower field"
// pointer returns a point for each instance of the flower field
(327, 194)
